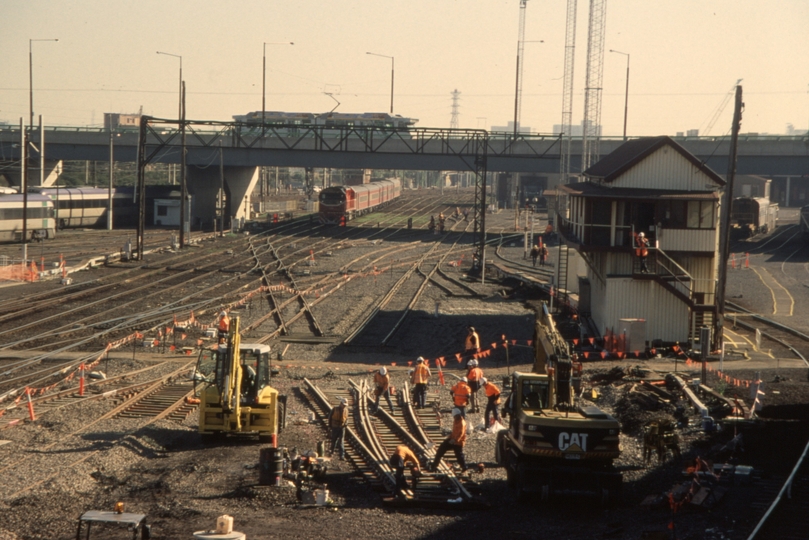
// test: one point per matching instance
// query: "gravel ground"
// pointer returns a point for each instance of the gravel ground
(163, 469)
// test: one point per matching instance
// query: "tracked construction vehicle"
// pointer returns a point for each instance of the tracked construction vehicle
(553, 445)
(237, 397)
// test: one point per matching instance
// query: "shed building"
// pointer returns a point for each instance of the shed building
(654, 186)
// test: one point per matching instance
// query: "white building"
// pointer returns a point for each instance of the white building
(650, 185)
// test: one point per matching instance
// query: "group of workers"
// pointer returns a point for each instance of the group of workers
(464, 396)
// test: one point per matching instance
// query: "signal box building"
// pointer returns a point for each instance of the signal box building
(650, 185)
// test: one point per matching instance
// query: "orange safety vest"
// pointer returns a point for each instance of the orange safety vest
(381, 381)
(224, 324)
(492, 392)
(641, 250)
(339, 416)
(460, 394)
(458, 431)
(475, 374)
(473, 341)
(421, 375)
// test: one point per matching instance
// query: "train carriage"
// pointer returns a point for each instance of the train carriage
(339, 204)
(753, 215)
(39, 213)
(87, 206)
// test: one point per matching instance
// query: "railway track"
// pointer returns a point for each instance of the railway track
(373, 438)
(69, 450)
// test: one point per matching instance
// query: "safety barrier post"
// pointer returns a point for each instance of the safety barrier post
(81, 379)
(30, 405)
(747, 260)
(733, 261)
(42, 264)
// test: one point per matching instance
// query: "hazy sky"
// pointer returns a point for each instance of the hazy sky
(685, 57)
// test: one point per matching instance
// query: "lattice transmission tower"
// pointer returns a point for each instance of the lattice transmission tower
(453, 122)
(592, 86)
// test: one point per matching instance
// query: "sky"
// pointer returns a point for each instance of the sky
(685, 58)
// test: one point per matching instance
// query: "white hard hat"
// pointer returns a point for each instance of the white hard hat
(456, 411)
(419, 360)
(383, 371)
(641, 235)
(464, 379)
(343, 401)
(473, 363)
(484, 381)
(223, 314)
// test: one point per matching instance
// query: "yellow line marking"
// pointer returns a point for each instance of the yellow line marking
(772, 292)
(752, 345)
(729, 339)
(791, 299)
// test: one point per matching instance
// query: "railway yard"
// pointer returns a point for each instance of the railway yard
(335, 304)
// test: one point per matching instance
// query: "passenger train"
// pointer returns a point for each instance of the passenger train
(39, 217)
(339, 204)
(330, 119)
(87, 206)
(753, 215)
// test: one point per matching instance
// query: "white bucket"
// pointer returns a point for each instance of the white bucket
(321, 497)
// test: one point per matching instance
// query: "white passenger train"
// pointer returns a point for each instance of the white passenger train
(39, 217)
(87, 206)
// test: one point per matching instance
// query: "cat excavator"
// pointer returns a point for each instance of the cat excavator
(554, 444)
(237, 398)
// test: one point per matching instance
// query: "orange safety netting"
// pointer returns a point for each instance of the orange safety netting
(19, 272)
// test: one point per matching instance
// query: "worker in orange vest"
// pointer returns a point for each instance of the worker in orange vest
(419, 379)
(455, 441)
(642, 251)
(471, 343)
(224, 325)
(460, 395)
(338, 420)
(382, 382)
(400, 458)
(493, 395)
(474, 376)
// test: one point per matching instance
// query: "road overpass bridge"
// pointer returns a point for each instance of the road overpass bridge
(374, 148)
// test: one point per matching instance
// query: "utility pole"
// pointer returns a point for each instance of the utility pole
(112, 167)
(724, 224)
(183, 183)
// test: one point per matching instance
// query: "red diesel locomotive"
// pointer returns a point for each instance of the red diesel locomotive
(339, 204)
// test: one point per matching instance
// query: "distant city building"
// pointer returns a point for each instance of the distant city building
(795, 132)
(576, 130)
(692, 133)
(117, 121)
(510, 128)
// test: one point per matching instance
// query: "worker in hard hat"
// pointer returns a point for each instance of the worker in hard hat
(493, 397)
(400, 458)
(460, 395)
(455, 441)
(419, 378)
(224, 325)
(338, 421)
(474, 375)
(472, 342)
(642, 251)
(382, 382)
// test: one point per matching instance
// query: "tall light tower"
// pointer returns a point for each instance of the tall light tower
(518, 85)
(264, 77)
(567, 90)
(626, 95)
(391, 76)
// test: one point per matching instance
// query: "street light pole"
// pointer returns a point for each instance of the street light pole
(180, 108)
(626, 97)
(391, 76)
(264, 77)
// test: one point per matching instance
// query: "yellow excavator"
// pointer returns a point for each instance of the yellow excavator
(555, 444)
(237, 398)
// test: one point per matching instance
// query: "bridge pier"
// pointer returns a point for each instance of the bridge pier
(204, 184)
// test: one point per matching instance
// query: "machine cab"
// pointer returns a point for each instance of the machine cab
(254, 358)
